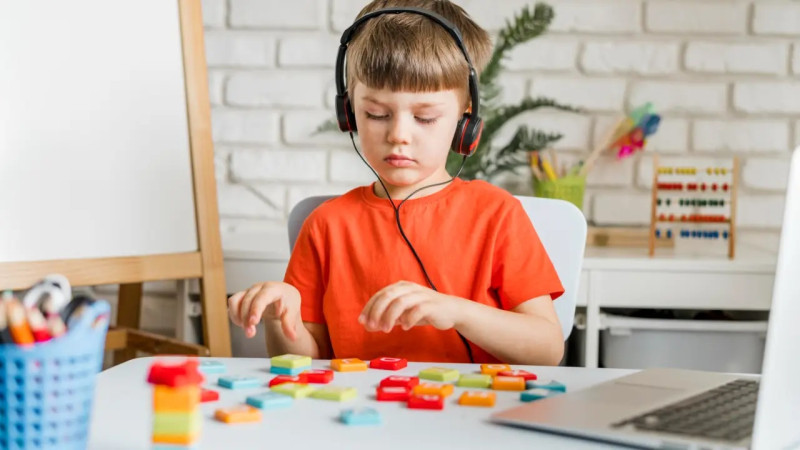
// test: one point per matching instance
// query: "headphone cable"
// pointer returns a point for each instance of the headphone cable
(403, 234)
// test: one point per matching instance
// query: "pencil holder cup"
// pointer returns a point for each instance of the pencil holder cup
(569, 188)
(47, 389)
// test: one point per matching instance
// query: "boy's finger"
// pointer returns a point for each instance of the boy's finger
(250, 331)
(390, 296)
(265, 298)
(233, 307)
(247, 300)
(395, 309)
(412, 317)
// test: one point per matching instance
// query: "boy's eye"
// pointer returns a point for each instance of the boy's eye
(376, 117)
(426, 120)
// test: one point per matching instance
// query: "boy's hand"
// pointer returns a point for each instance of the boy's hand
(272, 300)
(408, 305)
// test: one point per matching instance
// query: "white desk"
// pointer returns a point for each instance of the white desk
(122, 415)
(611, 278)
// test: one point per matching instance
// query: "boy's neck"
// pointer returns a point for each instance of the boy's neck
(401, 192)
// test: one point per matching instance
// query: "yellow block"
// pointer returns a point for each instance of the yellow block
(509, 384)
(492, 369)
(177, 423)
(348, 365)
(180, 399)
(290, 361)
(472, 398)
(176, 439)
(442, 390)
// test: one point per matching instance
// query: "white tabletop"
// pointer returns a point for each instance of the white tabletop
(122, 414)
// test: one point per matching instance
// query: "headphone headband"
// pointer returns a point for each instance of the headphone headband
(347, 35)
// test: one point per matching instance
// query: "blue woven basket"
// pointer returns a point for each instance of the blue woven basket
(46, 390)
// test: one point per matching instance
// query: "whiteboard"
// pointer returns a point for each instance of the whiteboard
(94, 141)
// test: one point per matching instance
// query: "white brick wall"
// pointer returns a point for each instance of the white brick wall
(723, 74)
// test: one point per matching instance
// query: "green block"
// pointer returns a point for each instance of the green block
(290, 361)
(294, 390)
(475, 380)
(339, 394)
(177, 423)
(439, 374)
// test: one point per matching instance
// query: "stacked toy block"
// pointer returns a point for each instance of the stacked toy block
(176, 400)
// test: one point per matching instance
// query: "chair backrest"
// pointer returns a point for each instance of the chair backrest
(561, 227)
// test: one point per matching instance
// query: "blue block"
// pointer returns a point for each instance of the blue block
(552, 385)
(269, 400)
(211, 367)
(239, 382)
(536, 394)
(361, 416)
(287, 371)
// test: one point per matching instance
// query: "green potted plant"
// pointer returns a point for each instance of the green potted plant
(490, 158)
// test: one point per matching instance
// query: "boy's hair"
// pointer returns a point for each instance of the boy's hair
(412, 53)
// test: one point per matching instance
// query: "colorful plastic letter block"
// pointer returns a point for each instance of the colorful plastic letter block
(536, 394)
(508, 383)
(177, 423)
(269, 400)
(475, 380)
(286, 371)
(239, 382)
(394, 380)
(439, 374)
(387, 363)
(362, 416)
(472, 398)
(211, 367)
(238, 414)
(293, 390)
(300, 379)
(337, 393)
(181, 399)
(175, 375)
(528, 376)
(318, 376)
(492, 369)
(175, 439)
(392, 393)
(208, 395)
(442, 390)
(426, 402)
(348, 365)
(290, 361)
(552, 385)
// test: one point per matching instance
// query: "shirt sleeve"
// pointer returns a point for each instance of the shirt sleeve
(305, 272)
(522, 268)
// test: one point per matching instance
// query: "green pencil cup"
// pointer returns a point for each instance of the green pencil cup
(569, 188)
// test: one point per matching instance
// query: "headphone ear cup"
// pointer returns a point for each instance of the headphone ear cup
(468, 135)
(345, 116)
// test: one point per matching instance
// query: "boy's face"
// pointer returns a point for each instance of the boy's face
(406, 136)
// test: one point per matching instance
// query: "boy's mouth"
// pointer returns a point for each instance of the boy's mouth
(399, 160)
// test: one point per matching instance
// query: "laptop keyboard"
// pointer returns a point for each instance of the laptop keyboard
(726, 412)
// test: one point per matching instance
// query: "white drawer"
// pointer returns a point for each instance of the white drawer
(682, 290)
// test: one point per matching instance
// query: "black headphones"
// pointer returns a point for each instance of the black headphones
(469, 128)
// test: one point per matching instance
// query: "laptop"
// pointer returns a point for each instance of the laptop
(673, 408)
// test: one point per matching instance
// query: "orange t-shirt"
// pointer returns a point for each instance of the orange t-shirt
(475, 240)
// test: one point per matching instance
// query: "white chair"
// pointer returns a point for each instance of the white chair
(560, 225)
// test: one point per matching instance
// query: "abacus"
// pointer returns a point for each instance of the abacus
(700, 202)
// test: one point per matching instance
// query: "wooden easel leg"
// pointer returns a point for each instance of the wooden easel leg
(216, 328)
(129, 313)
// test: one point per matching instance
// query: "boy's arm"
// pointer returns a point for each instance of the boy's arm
(528, 334)
(312, 339)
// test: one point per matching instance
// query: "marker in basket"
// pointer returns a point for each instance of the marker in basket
(5, 334)
(37, 325)
(43, 303)
(17, 321)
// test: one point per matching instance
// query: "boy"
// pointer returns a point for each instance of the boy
(458, 274)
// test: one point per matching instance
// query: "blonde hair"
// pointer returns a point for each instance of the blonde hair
(412, 53)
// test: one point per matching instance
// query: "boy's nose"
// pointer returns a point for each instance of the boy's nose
(399, 131)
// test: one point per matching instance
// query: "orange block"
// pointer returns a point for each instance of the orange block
(508, 383)
(348, 365)
(181, 399)
(175, 439)
(492, 369)
(238, 414)
(477, 398)
(442, 390)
